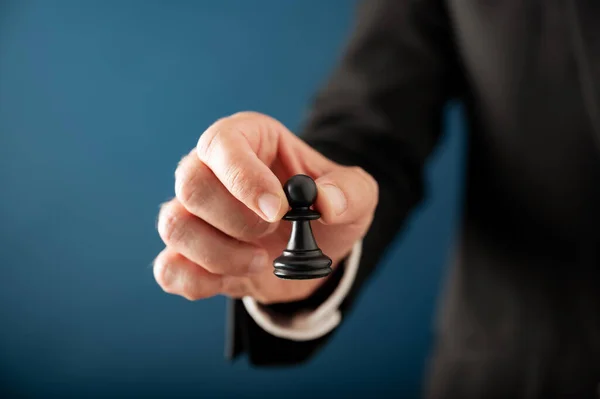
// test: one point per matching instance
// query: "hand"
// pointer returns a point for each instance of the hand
(222, 229)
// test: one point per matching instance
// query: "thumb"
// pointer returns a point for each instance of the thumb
(345, 195)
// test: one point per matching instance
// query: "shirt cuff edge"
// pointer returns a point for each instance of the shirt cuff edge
(313, 325)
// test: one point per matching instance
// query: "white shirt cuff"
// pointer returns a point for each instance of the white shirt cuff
(309, 325)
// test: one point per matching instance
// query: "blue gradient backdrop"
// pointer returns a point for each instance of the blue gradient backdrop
(98, 102)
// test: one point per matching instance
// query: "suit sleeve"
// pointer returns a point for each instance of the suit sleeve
(381, 110)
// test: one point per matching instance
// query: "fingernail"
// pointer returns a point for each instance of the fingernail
(336, 198)
(269, 205)
(258, 263)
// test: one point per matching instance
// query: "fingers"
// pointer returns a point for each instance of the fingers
(229, 148)
(346, 195)
(203, 195)
(178, 275)
(204, 245)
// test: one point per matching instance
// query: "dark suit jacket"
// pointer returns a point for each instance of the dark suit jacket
(521, 313)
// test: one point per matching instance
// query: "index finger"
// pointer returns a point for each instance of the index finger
(229, 148)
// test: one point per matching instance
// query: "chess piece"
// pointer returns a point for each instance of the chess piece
(302, 259)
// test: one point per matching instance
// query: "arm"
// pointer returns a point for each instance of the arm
(381, 110)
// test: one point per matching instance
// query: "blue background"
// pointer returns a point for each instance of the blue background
(98, 102)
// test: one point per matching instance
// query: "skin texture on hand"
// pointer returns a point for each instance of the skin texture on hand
(223, 230)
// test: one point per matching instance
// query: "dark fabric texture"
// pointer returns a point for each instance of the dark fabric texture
(521, 313)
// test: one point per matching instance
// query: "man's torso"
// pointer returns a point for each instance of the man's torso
(522, 310)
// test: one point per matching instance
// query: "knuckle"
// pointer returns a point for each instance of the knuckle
(191, 297)
(198, 288)
(192, 289)
(192, 293)
(189, 185)
(184, 182)
(163, 270)
(209, 260)
(186, 190)
(236, 180)
(211, 139)
(171, 223)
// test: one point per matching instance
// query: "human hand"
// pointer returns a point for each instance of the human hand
(222, 230)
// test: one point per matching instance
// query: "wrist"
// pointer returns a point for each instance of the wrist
(315, 297)
(315, 316)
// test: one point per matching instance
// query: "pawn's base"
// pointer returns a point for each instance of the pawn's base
(302, 265)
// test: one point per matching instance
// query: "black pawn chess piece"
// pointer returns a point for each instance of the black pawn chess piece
(302, 259)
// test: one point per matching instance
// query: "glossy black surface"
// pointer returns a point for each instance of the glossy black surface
(302, 259)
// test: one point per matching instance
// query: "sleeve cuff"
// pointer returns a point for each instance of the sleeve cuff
(312, 325)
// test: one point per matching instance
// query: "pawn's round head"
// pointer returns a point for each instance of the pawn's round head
(301, 191)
